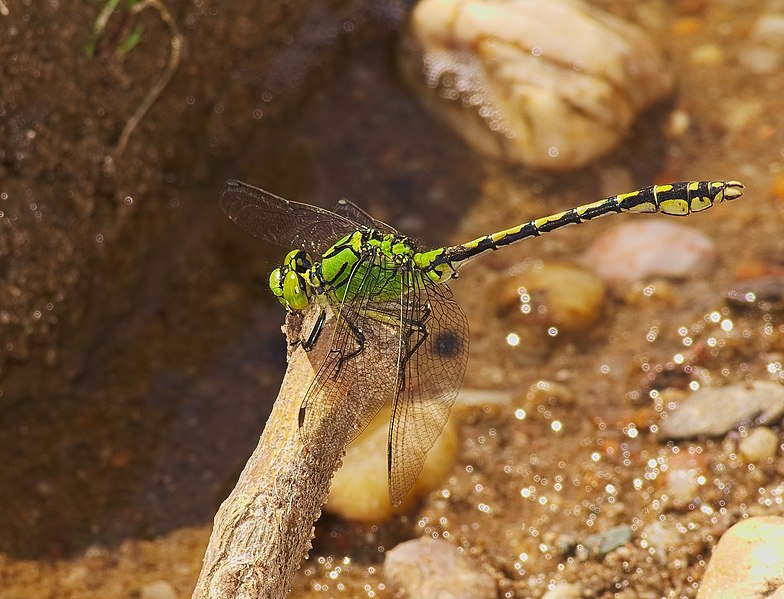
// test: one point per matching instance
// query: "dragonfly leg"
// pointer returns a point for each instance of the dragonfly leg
(315, 332)
(358, 336)
(416, 326)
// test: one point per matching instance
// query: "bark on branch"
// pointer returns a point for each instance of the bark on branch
(263, 530)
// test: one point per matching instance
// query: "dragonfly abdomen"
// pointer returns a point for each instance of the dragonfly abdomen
(677, 199)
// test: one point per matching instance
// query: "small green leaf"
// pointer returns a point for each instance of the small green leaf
(99, 26)
(131, 41)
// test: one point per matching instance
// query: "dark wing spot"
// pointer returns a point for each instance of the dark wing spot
(447, 344)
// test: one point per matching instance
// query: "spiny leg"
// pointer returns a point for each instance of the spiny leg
(315, 332)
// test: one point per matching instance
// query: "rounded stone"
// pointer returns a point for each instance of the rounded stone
(748, 561)
(546, 295)
(547, 83)
(759, 444)
(647, 249)
(428, 568)
(360, 488)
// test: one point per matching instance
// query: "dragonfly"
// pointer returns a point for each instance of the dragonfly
(398, 336)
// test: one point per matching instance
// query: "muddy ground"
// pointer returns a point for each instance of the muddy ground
(139, 349)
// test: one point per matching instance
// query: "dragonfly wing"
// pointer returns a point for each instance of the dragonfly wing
(357, 377)
(431, 372)
(288, 224)
(351, 211)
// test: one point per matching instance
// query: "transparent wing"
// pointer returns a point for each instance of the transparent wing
(411, 351)
(351, 211)
(431, 371)
(288, 224)
(358, 375)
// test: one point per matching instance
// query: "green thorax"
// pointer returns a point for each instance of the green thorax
(367, 262)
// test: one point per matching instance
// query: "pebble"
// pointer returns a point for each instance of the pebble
(652, 248)
(759, 444)
(748, 562)
(714, 411)
(765, 293)
(763, 55)
(707, 55)
(685, 474)
(564, 590)
(547, 83)
(545, 395)
(769, 29)
(660, 538)
(159, 589)
(602, 543)
(427, 568)
(547, 295)
(360, 489)
(761, 60)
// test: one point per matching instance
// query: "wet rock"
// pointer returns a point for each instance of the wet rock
(748, 562)
(360, 488)
(545, 395)
(685, 474)
(563, 590)
(760, 444)
(713, 411)
(707, 55)
(660, 538)
(548, 295)
(548, 83)
(434, 569)
(763, 54)
(646, 249)
(158, 590)
(765, 293)
(602, 543)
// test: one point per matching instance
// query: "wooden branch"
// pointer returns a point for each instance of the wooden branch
(263, 530)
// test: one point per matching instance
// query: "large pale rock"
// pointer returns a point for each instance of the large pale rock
(548, 83)
(748, 562)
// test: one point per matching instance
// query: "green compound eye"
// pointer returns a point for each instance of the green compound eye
(276, 283)
(294, 291)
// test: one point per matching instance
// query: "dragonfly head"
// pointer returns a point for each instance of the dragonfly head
(289, 283)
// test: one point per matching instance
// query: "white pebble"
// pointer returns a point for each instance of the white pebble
(429, 568)
(769, 29)
(760, 60)
(159, 589)
(682, 485)
(653, 248)
(760, 444)
(748, 561)
(660, 538)
(713, 411)
(563, 590)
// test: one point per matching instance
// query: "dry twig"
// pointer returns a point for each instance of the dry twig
(175, 51)
(263, 530)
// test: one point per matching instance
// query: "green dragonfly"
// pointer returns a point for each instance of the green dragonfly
(398, 336)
